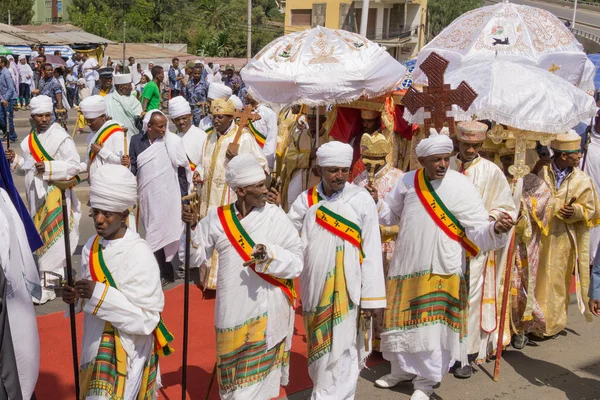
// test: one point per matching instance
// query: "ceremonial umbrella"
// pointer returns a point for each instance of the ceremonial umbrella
(520, 96)
(518, 33)
(321, 66)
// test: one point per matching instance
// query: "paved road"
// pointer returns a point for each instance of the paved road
(565, 12)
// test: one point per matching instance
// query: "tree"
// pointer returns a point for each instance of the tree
(440, 15)
(21, 11)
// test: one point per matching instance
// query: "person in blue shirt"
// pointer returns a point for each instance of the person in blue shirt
(195, 93)
(8, 100)
(175, 78)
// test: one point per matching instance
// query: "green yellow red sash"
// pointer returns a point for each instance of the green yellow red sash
(243, 244)
(100, 273)
(260, 138)
(313, 196)
(192, 165)
(441, 215)
(341, 227)
(103, 136)
(209, 130)
(36, 149)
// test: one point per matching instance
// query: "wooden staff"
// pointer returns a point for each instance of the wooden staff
(247, 114)
(76, 123)
(125, 141)
(211, 381)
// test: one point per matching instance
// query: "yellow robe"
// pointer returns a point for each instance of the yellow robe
(567, 242)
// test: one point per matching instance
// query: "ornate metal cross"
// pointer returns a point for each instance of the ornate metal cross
(437, 98)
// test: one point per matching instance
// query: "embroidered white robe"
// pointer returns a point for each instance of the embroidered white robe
(133, 309)
(193, 141)
(111, 152)
(267, 125)
(244, 299)
(59, 145)
(335, 372)
(428, 349)
(484, 304)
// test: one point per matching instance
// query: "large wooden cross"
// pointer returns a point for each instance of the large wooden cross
(437, 98)
(247, 114)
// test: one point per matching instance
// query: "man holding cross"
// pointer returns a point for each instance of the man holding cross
(223, 143)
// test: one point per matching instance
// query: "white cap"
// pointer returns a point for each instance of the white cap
(41, 104)
(335, 154)
(236, 102)
(93, 106)
(113, 188)
(243, 170)
(219, 91)
(122, 79)
(179, 106)
(436, 143)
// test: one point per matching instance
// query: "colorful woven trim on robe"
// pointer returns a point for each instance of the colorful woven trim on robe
(424, 299)
(333, 308)
(341, 227)
(313, 196)
(260, 138)
(36, 149)
(48, 220)
(100, 273)
(444, 219)
(242, 355)
(103, 136)
(243, 244)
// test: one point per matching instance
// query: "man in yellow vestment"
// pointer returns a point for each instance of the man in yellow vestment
(564, 252)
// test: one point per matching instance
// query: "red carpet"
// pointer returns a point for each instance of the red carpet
(56, 370)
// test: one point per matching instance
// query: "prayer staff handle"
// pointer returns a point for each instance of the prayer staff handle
(572, 201)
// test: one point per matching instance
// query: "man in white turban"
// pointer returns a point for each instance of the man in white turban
(106, 141)
(216, 91)
(48, 154)
(192, 136)
(342, 273)
(119, 292)
(442, 222)
(157, 157)
(123, 106)
(260, 254)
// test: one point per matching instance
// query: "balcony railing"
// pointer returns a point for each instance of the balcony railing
(392, 34)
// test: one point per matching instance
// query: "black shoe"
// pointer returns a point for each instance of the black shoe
(519, 341)
(164, 281)
(463, 372)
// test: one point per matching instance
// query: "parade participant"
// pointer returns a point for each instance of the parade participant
(195, 93)
(216, 90)
(254, 316)
(371, 123)
(231, 79)
(123, 106)
(217, 153)
(90, 71)
(17, 272)
(25, 83)
(442, 221)
(382, 177)
(8, 99)
(192, 136)
(534, 218)
(49, 86)
(48, 154)
(106, 140)
(491, 184)
(157, 157)
(298, 175)
(175, 78)
(105, 85)
(564, 252)
(342, 282)
(264, 129)
(120, 295)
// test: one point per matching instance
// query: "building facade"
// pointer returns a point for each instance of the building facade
(397, 24)
(50, 11)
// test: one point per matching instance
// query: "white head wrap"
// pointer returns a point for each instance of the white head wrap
(436, 143)
(335, 154)
(243, 170)
(41, 105)
(10, 57)
(122, 79)
(179, 106)
(219, 91)
(22, 57)
(81, 81)
(93, 106)
(237, 102)
(113, 188)
(148, 116)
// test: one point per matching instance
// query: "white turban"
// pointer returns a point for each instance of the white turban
(219, 91)
(335, 154)
(436, 143)
(243, 170)
(237, 102)
(93, 106)
(22, 57)
(81, 81)
(122, 79)
(41, 105)
(147, 118)
(179, 106)
(113, 188)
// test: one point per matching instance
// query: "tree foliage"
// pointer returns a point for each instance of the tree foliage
(21, 11)
(214, 28)
(440, 15)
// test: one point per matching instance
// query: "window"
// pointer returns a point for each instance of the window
(48, 3)
(301, 17)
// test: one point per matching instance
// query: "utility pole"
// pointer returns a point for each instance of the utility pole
(364, 17)
(574, 15)
(8, 17)
(124, 42)
(249, 44)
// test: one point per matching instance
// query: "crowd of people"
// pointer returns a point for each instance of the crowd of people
(406, 263)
